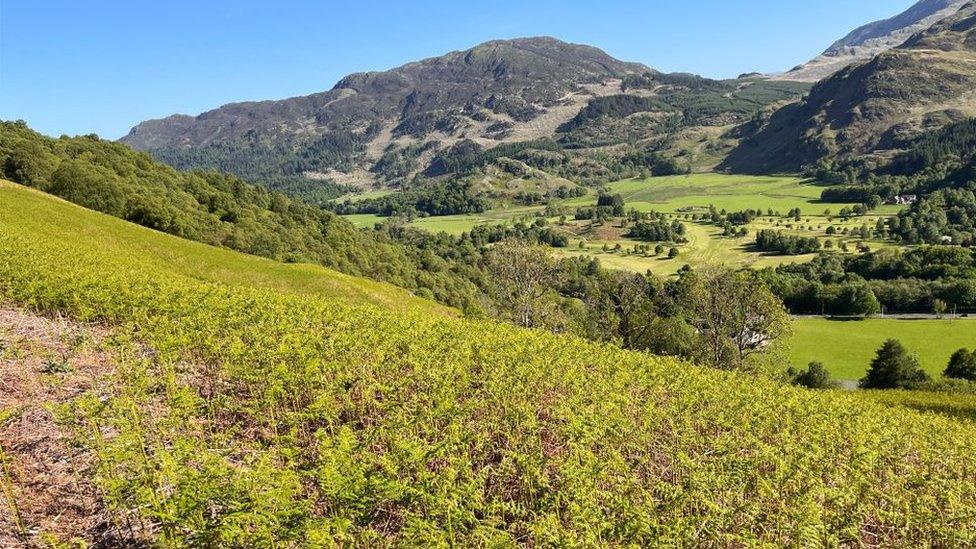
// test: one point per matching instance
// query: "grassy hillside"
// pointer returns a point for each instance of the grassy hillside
(217, 209)
(847, 347)
(28, 213)
(243, 415)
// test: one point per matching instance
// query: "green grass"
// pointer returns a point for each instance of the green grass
(365, 221)
(847, 347)
(357, 197)
(452, 224)
(27, 211)
(265, 417)
(696, 192)
(729, 192)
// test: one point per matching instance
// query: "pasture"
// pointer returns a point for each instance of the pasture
(725, 192)
(846, 347)
(680, 197)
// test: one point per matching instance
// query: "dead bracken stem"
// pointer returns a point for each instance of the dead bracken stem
(6, 482)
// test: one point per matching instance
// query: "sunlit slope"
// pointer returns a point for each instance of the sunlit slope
(269, 418)
(34, 215)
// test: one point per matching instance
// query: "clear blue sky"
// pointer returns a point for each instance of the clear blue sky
(98, 66)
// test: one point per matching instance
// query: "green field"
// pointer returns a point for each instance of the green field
(356, 197)
(452, 224)
(678, 196)
(847, 347)
(728, 192)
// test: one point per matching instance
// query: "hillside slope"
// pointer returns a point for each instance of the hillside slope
(30, 214)
(866, 41)
(217, 209)
(238, 415)
(869, 109)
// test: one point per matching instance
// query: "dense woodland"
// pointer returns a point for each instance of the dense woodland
(427, 198)
(920, 280)
(769, 240)
(557, 159)
(938, 168)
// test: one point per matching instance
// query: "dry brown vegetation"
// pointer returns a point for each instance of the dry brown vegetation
(47, 493)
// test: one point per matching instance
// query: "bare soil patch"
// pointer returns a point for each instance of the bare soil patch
(47, 495)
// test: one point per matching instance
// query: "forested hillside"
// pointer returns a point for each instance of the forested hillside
(216, 209)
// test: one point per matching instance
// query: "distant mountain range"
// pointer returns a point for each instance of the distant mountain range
(550, 113)
(865, 42)
(873, 109)
(382, 128)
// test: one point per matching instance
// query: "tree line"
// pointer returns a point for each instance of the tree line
(928, 279)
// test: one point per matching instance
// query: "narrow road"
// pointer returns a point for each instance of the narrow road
(905, 316)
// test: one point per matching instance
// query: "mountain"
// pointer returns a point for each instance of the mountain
(874, 109)
(865, 42)
(496, 91)
(383, 128)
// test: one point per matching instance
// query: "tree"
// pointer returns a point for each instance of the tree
(736, 315)
(28, 163)
(668, 336)
(893, 368)
(522, 275)
(614, 202)
(815, 376)
(673, 253)
(91, 186)
(939, 308)
(851, 298)
(962, 365)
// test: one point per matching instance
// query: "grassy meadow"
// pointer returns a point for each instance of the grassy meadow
(679, 196)
(728, 192)
(846, 347)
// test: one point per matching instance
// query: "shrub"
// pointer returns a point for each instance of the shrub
(894, 368)
(962, 365)
(815, 376)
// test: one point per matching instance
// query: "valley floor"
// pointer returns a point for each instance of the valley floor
(680, 197)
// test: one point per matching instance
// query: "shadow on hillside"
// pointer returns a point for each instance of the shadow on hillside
(947, 410)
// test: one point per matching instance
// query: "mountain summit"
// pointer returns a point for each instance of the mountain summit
(866, 41)
(495, 92)
(873, 109)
